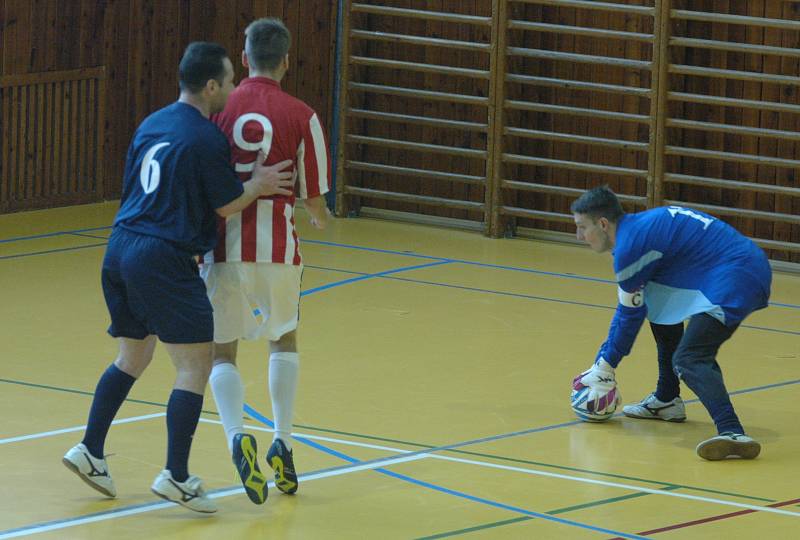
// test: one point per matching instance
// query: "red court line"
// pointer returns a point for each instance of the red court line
(710, 519)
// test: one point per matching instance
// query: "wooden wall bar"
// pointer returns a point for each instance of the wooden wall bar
(416, 107)
(138, 44)
(668, 101)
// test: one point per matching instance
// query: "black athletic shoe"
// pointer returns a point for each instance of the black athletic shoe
(245, 458)
(280, 459)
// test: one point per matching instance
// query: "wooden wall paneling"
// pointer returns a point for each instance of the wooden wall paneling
(6, 155)
(716, 86)
(343, 175)
(756, 62)
(790, 205)
(37, 177)
(87, 137)
(68, 37)
(16, 150)
(57, 140)
(3, 20)
(770, 146)
(44, 44)
(74, 136)
(90, 33)
(736, 116)
(16, 38)
(117, 117)
(99, 137)
(438, 83)
(315, 27)
(24, 141)
(78, 136)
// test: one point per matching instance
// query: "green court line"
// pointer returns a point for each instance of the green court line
(665, 485)
(85, 393)
(564, 510)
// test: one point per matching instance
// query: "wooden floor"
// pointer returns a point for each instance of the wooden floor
(433, 400)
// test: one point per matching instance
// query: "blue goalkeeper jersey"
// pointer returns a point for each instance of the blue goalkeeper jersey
(672, 263)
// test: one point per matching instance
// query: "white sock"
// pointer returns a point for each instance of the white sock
(226, 385)
(283, 370)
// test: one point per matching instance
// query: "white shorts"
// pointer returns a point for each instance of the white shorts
(253, 300)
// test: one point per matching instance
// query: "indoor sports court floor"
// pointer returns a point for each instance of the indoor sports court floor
(433, 400)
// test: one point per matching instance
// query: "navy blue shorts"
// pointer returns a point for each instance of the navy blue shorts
(152, 287)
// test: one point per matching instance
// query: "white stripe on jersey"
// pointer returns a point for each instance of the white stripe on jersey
(320, 152)
(233, 237)
(637, 266)
(288, 210)
(264, 230)
(301, 171)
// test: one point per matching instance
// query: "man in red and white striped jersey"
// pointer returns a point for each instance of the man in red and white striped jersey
(257, 260)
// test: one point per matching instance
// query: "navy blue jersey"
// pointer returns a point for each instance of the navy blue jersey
(672, 263)
(177, 173)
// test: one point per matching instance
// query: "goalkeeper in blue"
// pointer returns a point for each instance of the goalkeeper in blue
(674, 264)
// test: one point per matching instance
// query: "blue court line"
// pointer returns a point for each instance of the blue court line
(48, 235)
(330, 451)
(388, 275)
(363, 276)
(48, 251)
(84, 235)
(510, 294)
(461, 261)
(384, 251)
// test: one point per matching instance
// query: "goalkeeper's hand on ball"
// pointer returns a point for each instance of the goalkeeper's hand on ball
(603, 395)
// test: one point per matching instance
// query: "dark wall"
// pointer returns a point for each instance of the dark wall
(140, 43)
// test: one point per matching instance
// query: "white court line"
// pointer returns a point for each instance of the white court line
(537, 472)
(151, 507)
(373, 464)
(77, 428)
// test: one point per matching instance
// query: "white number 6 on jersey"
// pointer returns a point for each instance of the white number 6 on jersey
(150, 174)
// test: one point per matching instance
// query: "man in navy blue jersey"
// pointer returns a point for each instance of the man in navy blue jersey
(178, 178)
(675, 264)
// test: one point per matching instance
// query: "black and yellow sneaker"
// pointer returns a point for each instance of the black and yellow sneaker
(280, 459)
(245, 459)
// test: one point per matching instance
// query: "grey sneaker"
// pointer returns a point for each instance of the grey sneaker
(190, 493)
(91, 470)
(727, 445)
(652, 408)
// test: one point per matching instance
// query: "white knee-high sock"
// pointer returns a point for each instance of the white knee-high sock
(226, 385)
(283, 371)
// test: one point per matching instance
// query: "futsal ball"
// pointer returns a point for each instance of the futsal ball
(588, 411)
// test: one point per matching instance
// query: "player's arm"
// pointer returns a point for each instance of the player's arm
(628, 319)
(313, 171)
(317, 207)
(272, 180)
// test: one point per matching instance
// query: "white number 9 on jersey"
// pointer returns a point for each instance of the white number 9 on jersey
(264, 144)
(150, 173)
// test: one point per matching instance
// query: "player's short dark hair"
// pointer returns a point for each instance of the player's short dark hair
(267, 43)
(201, 62)
(599, 202)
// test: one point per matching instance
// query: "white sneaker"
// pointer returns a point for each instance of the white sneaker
(652, 408)
(91, 470)
(190, 493)
(727, 445)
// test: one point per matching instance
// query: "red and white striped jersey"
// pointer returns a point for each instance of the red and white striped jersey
(261, 116)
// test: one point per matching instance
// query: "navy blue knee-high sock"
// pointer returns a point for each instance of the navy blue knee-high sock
(183, 413)
(668, 337)
(111, 391)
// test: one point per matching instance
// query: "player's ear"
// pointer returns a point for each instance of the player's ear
(603, 223)
(245, 63)
(286, 62)
(212, 86)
